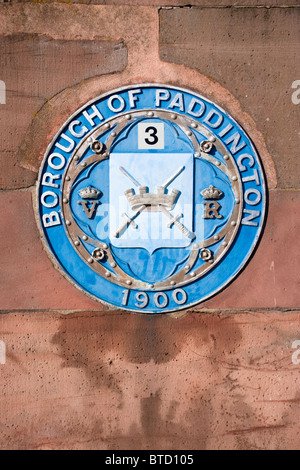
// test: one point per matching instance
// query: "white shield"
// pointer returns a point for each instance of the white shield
(151, 200)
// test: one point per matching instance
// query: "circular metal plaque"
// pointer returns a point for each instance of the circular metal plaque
(151, 198)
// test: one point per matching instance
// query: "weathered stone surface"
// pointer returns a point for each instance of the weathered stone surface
(222, 376)
(28, 278)
(120, 381)
(271, 278)
(171, 3)
(144, 65)
(255, 54)
(34, 68)
(29, 281)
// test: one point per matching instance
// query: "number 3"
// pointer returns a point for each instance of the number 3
(152, 131)
(151, 135)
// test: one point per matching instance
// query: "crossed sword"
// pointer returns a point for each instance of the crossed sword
(173, 220)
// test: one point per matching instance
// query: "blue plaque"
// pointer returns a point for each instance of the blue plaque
(151, 198)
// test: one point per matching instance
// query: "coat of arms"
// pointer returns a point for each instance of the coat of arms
(151, 208)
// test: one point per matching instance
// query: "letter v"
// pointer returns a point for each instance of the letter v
(89, 211)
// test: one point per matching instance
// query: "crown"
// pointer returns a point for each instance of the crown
(89, 193)
(212, 193)
(160, 197)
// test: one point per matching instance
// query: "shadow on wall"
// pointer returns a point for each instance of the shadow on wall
(126, 381)
(174, 384)
(163, 370)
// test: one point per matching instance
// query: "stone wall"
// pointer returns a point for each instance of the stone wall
(77, 375)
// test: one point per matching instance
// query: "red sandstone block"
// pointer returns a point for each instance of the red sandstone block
(29, 280)
(34, 68)
(172, 3)
(271, 279)
(123, 381)
(255, 54)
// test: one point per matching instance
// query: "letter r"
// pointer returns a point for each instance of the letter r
(211, 210)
